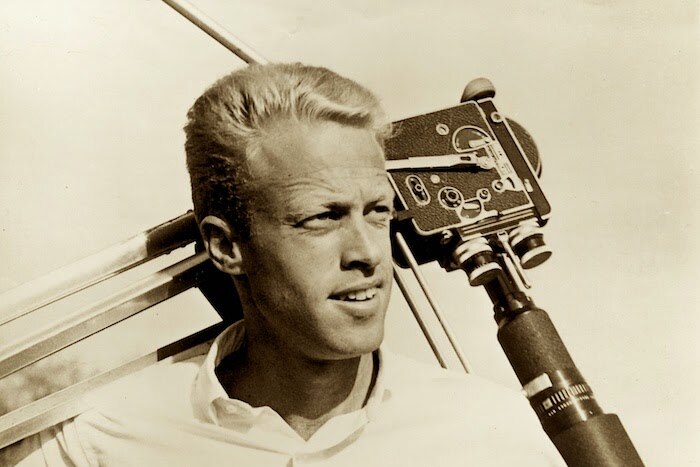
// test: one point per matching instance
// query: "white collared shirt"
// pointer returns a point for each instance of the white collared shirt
(416, 415)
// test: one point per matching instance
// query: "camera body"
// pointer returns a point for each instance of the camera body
(462, 173)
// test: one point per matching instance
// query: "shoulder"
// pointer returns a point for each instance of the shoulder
(455, 395)
(402, 371)
(150, 396)
(465, 412)
(114, 411)
(164, 386)
(132, 407)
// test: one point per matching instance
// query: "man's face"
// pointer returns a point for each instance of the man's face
(318, 261)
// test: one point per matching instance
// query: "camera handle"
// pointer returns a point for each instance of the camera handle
(558, 393)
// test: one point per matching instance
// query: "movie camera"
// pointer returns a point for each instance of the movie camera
(467, 187)
(469, 197)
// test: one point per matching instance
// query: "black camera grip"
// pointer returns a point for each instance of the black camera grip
(565, 404)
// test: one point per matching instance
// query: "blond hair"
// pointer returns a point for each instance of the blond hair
(225, 126)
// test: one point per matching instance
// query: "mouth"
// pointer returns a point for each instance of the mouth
(359, 295)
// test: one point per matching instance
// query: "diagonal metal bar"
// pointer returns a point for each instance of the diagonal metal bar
(418, 316)
(73, 400)
(216, 31)
(433, 304)
(96, 268)
(48, 339)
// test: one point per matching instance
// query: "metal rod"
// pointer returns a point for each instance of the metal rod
(51, 338)
(216, 31)
(96, 268)
(417, 314)
(433, 304)
(73, 400)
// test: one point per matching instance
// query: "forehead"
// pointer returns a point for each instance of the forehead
(302, 165)
(291, 200)
(292, 149)
(323, 187)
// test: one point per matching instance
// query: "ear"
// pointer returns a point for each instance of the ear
(221, 245)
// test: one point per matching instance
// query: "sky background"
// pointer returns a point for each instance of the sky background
(93, 97)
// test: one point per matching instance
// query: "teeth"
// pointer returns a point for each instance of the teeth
(360, 295)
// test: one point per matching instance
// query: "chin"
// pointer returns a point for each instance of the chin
(361, 342)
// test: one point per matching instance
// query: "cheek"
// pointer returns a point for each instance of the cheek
(290, 270)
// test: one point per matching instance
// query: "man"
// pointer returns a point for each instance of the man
(293, 202)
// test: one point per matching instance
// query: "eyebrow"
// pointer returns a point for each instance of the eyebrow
(332, 201)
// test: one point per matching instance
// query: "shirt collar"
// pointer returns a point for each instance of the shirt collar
(207, 389)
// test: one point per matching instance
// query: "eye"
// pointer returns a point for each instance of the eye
(327, 215)
(322, 219)
(381, 214)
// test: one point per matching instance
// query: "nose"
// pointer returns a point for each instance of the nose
(363, 245)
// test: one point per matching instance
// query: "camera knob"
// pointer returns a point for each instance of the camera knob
(476, 258)
(527, 242)
(478, 88)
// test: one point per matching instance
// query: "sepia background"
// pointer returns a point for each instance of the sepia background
(93, 96)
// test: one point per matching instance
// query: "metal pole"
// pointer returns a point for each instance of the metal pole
(52, 337)
(433, 304)
(73, 400)
(417, 314)
(216, 31)
(96, 268)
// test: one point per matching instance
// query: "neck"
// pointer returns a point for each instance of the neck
(304, 392)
